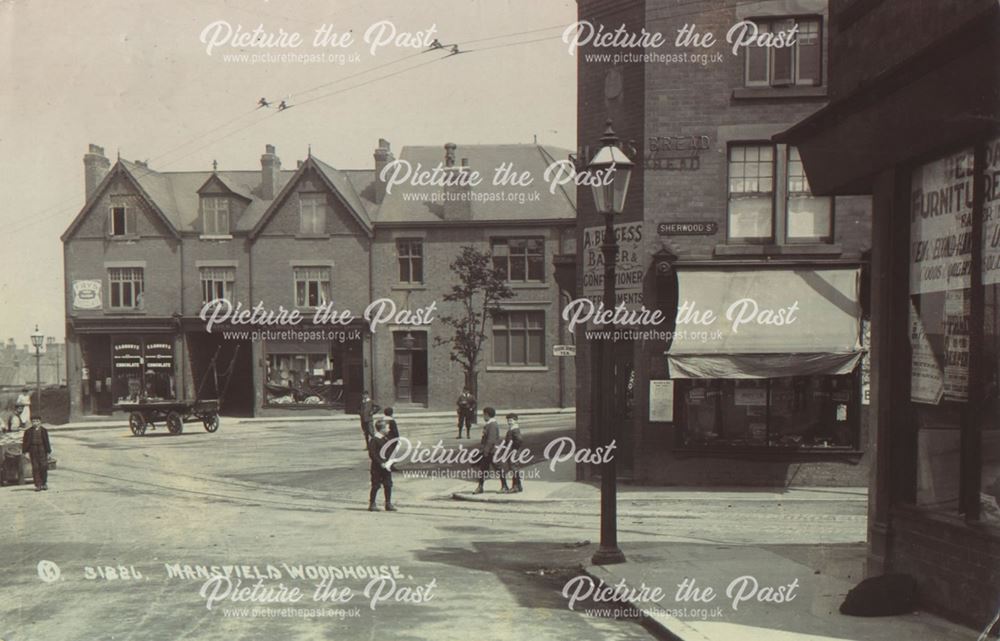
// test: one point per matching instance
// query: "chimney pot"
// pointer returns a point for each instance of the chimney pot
(449, 154)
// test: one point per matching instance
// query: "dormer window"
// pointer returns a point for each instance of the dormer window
(215, 211)
(121, 218)
(312, 214)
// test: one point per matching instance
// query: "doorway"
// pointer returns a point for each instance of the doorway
(409, 371)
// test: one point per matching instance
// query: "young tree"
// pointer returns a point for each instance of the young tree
(479, 290)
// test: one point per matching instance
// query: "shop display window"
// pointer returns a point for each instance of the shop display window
(815, 412)
(303, 379)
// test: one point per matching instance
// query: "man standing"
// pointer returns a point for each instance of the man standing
(392, 435)
(487, 447)
(22, 408)
(513, 444)
(466, 411)
(35, 443)
(381, 468)
(368, 409)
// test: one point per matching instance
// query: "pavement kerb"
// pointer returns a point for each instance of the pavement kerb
(661, 624)
(122, 422)
(503, 498)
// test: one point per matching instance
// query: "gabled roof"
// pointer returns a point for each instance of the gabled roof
(336, 181)
(145, 182)
(408, 203)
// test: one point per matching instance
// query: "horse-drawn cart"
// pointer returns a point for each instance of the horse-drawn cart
(145, 414)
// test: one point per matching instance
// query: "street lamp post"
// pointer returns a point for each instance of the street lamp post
(38, 339)
(610, 171)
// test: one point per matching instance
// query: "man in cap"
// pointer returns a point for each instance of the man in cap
(35, 443)
(381, 467)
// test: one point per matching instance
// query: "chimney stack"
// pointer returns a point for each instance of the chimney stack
(270, 169)
(95, 168)
(457, 192)
(383, 156)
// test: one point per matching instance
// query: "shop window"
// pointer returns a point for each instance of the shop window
(411, 260)
(297, 376)
(797, 65)
(312, 214)
(217, 283)
(215, 215)
(519, 260)
(989, 475)
(126, 287)
(519, 339)
(312, 286)
(142, 369)
(754, 208)
(799, 412)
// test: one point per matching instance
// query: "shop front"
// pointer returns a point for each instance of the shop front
(119, 362)
(763, 382)
(767, 359)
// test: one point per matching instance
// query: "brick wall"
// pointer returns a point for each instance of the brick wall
(957, 566)
(516, 388)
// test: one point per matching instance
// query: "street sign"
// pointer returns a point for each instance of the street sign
(564, 350)
(692, 228)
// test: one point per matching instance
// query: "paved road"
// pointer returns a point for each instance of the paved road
(288, 502)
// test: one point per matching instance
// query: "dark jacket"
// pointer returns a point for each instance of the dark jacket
(466, 401)
(368, 409)
(30, 444)
(375, 452)
(513, 436)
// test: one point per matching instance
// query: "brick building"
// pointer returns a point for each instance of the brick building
(727, 214)
(913, 120)
(150, 248)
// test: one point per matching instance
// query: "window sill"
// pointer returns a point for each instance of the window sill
(126, 311)
(409, 286)
(126, 238)
(804, 249)
(312, 236)
(517, 368)
(779, 93)
(215, 237)
(532, 285)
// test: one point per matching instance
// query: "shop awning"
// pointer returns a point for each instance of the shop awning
(766, 323)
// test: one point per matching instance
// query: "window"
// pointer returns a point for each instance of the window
(216, 216)
(121, 218)
(753, 209)
(808, 216)
(794, 412)
(217, 282)
(411, 260)
(797, 65)
(751, 192)
(312, 214)
(520, 260)
(126, 287)
(312, 286)
(305, 374)
(519, 338)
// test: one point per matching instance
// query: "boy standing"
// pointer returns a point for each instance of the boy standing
(35, 443)
(381, 468)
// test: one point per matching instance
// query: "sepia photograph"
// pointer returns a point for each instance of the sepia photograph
(604, 320)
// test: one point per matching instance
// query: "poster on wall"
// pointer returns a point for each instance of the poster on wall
(941, 224)
(956, 345)
(661, 401)
(991, 214)
(87, 294)
(628, 268)
(926, 378)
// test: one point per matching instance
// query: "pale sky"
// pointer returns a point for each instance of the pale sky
(132, 76)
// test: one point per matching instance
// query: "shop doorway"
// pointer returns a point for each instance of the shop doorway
(96, 374)
(409, 372)
(230, 379)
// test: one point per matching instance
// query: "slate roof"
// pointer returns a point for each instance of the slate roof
(174, 194)
(409, 203)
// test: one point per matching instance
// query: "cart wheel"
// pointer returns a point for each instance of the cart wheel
(174, 423)
(137, 423)
(211, 423)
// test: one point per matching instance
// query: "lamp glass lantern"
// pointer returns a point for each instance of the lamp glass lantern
(37, 338)
(610, 171)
